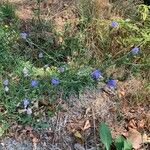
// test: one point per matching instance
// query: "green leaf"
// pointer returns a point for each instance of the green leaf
(105, 135)
(119, 142)
(127, 145)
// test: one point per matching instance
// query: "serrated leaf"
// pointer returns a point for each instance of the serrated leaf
(105, 135)
(119, 142)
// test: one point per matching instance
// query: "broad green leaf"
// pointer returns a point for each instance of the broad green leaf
(105, 135)
(127, 145)
(119, 142)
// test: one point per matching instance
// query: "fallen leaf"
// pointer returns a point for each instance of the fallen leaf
(77, 134)
(121, 94)
(36, 104)
(132, 124)
(132, 111)
(43, 102)
(141, 124)
(135, 138)
(87, 125)
(113, 109)
(88, 110)
(79, 137)
(35, 141)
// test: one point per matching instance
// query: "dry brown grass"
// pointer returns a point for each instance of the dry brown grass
(102, 8)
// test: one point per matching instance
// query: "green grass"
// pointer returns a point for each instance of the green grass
(94, 45)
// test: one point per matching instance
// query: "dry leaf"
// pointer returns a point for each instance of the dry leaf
(113, 109)
(78, 135)
(132, 124)
(132, 111)
(44, 102)
(88, 110)
(135, 138)
(141, 124)
(121, 94)
(36, 104)
(35, 140)
(87, 125)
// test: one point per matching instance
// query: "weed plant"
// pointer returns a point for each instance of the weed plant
(43, 64)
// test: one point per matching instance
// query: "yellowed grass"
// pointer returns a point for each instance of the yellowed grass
(102, 8)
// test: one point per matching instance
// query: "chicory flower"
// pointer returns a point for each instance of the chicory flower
(5, 82)
(23, 35)
(111, 83)
(135, 50)
(55, 81)
(34, 83)
(114, 24)
(96, 74)
(25, 102)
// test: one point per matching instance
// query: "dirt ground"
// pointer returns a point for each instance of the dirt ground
(75, 127)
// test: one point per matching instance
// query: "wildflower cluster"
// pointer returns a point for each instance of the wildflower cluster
(96, 74)
(55, 81)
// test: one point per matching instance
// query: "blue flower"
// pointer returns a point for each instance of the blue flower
(41, 55)
(114, 24)
(23, 35)
(55, 81)
(5, 82)
(34, 83)
(96, 74)
(135, 50)
(25, 102)
(112, 83)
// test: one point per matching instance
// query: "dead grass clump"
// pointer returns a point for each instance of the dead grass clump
(101, 9)
(135, 90)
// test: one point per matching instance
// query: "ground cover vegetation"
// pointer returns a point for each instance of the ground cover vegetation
(104, 45)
